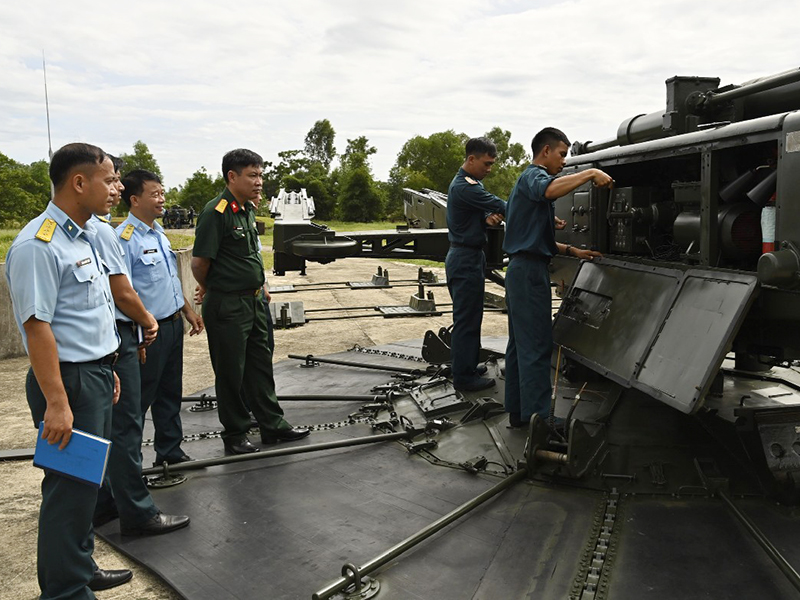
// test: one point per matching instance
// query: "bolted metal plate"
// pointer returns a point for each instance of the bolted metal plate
(287, 314)
(438, 398)
(663, 331)
(405, 311)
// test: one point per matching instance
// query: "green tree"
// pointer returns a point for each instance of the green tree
(141, 158)
(357, 154)
(199, 189)
(359, 197)
(24, 190)
(319, 143)
(512, 159)
(425, 162)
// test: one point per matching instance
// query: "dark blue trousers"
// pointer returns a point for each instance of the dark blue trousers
(466, 283)
(162, 389)
(530, 336)
(124, 486)
(66, 537)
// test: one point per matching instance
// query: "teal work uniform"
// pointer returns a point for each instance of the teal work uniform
(154, 272)
(236, 318)
(55, 275)
(468, 205)
(530, 243)
(124, 490)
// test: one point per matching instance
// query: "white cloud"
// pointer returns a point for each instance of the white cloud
(194, 79)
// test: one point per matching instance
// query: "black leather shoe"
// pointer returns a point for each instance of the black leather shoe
(173, 461)
(105, 580)
(160, 523)
(515, 420)
(243, 447)
(271, 436)
(481, 383)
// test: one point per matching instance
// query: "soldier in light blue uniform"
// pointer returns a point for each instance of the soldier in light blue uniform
(125, 493)
(470, 208)
(154, 271)
(530, 243)
(64, 310)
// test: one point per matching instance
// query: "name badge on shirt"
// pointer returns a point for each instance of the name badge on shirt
(150, 251)
(83, 262)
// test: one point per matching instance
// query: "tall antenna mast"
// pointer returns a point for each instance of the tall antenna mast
(47, 108)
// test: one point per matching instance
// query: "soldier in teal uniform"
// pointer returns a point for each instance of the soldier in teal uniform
(530, 243)
(125, 493)
(154, 271)
(470, 208)
(64, 310)
(226, 262)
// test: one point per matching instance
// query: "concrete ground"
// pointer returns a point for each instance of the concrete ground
(19, 494)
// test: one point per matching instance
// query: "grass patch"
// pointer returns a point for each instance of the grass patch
(6, 237)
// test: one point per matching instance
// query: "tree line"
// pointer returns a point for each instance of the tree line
(347, 191)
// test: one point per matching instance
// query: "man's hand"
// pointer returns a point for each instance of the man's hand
(57, 423)
(142, 355)
(117, 389)
(195, 320)
(150, 331)
(601, 178)
(266, 293)
(199, 294)
(585, 254)
(494, 219)
(560, 223)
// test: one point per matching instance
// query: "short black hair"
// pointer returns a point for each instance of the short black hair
(134, 183)
(118, 163)
(238, 159)
(480, 146)
(70, 156)
(549, 136)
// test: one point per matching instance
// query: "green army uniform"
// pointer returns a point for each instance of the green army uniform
(236, 318)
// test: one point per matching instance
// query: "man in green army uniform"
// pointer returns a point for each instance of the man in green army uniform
(226, 262)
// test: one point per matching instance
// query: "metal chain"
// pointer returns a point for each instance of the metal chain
(208, 435)
(362, 350)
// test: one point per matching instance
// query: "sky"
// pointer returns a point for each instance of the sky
(196, 79)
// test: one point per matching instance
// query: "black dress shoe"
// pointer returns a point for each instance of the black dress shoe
(481, 383)
(514, 420)
(105, 580)
(270, 436)
(243, 447)
(160, 523)
(173, 461)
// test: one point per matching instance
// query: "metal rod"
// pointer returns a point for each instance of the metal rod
(344, 363)
(343, 582)
(224, 460)
(759, 86)
(308, 398)
(309, 310)
(762, 540)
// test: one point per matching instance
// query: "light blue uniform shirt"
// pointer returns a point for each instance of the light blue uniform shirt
(64, 283)
(110, 249)
(153, 267)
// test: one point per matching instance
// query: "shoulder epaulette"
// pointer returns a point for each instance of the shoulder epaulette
(470, 180)
(127, 232)
(221, 206)
(46, 231)
(103, 219)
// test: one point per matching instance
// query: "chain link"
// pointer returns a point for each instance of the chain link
(362, 350)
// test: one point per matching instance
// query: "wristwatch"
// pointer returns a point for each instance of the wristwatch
(567, 249)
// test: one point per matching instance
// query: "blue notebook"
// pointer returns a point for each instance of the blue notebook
(85, 457)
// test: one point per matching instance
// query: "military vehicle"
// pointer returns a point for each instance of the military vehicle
(177, 217)
(675, 366)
